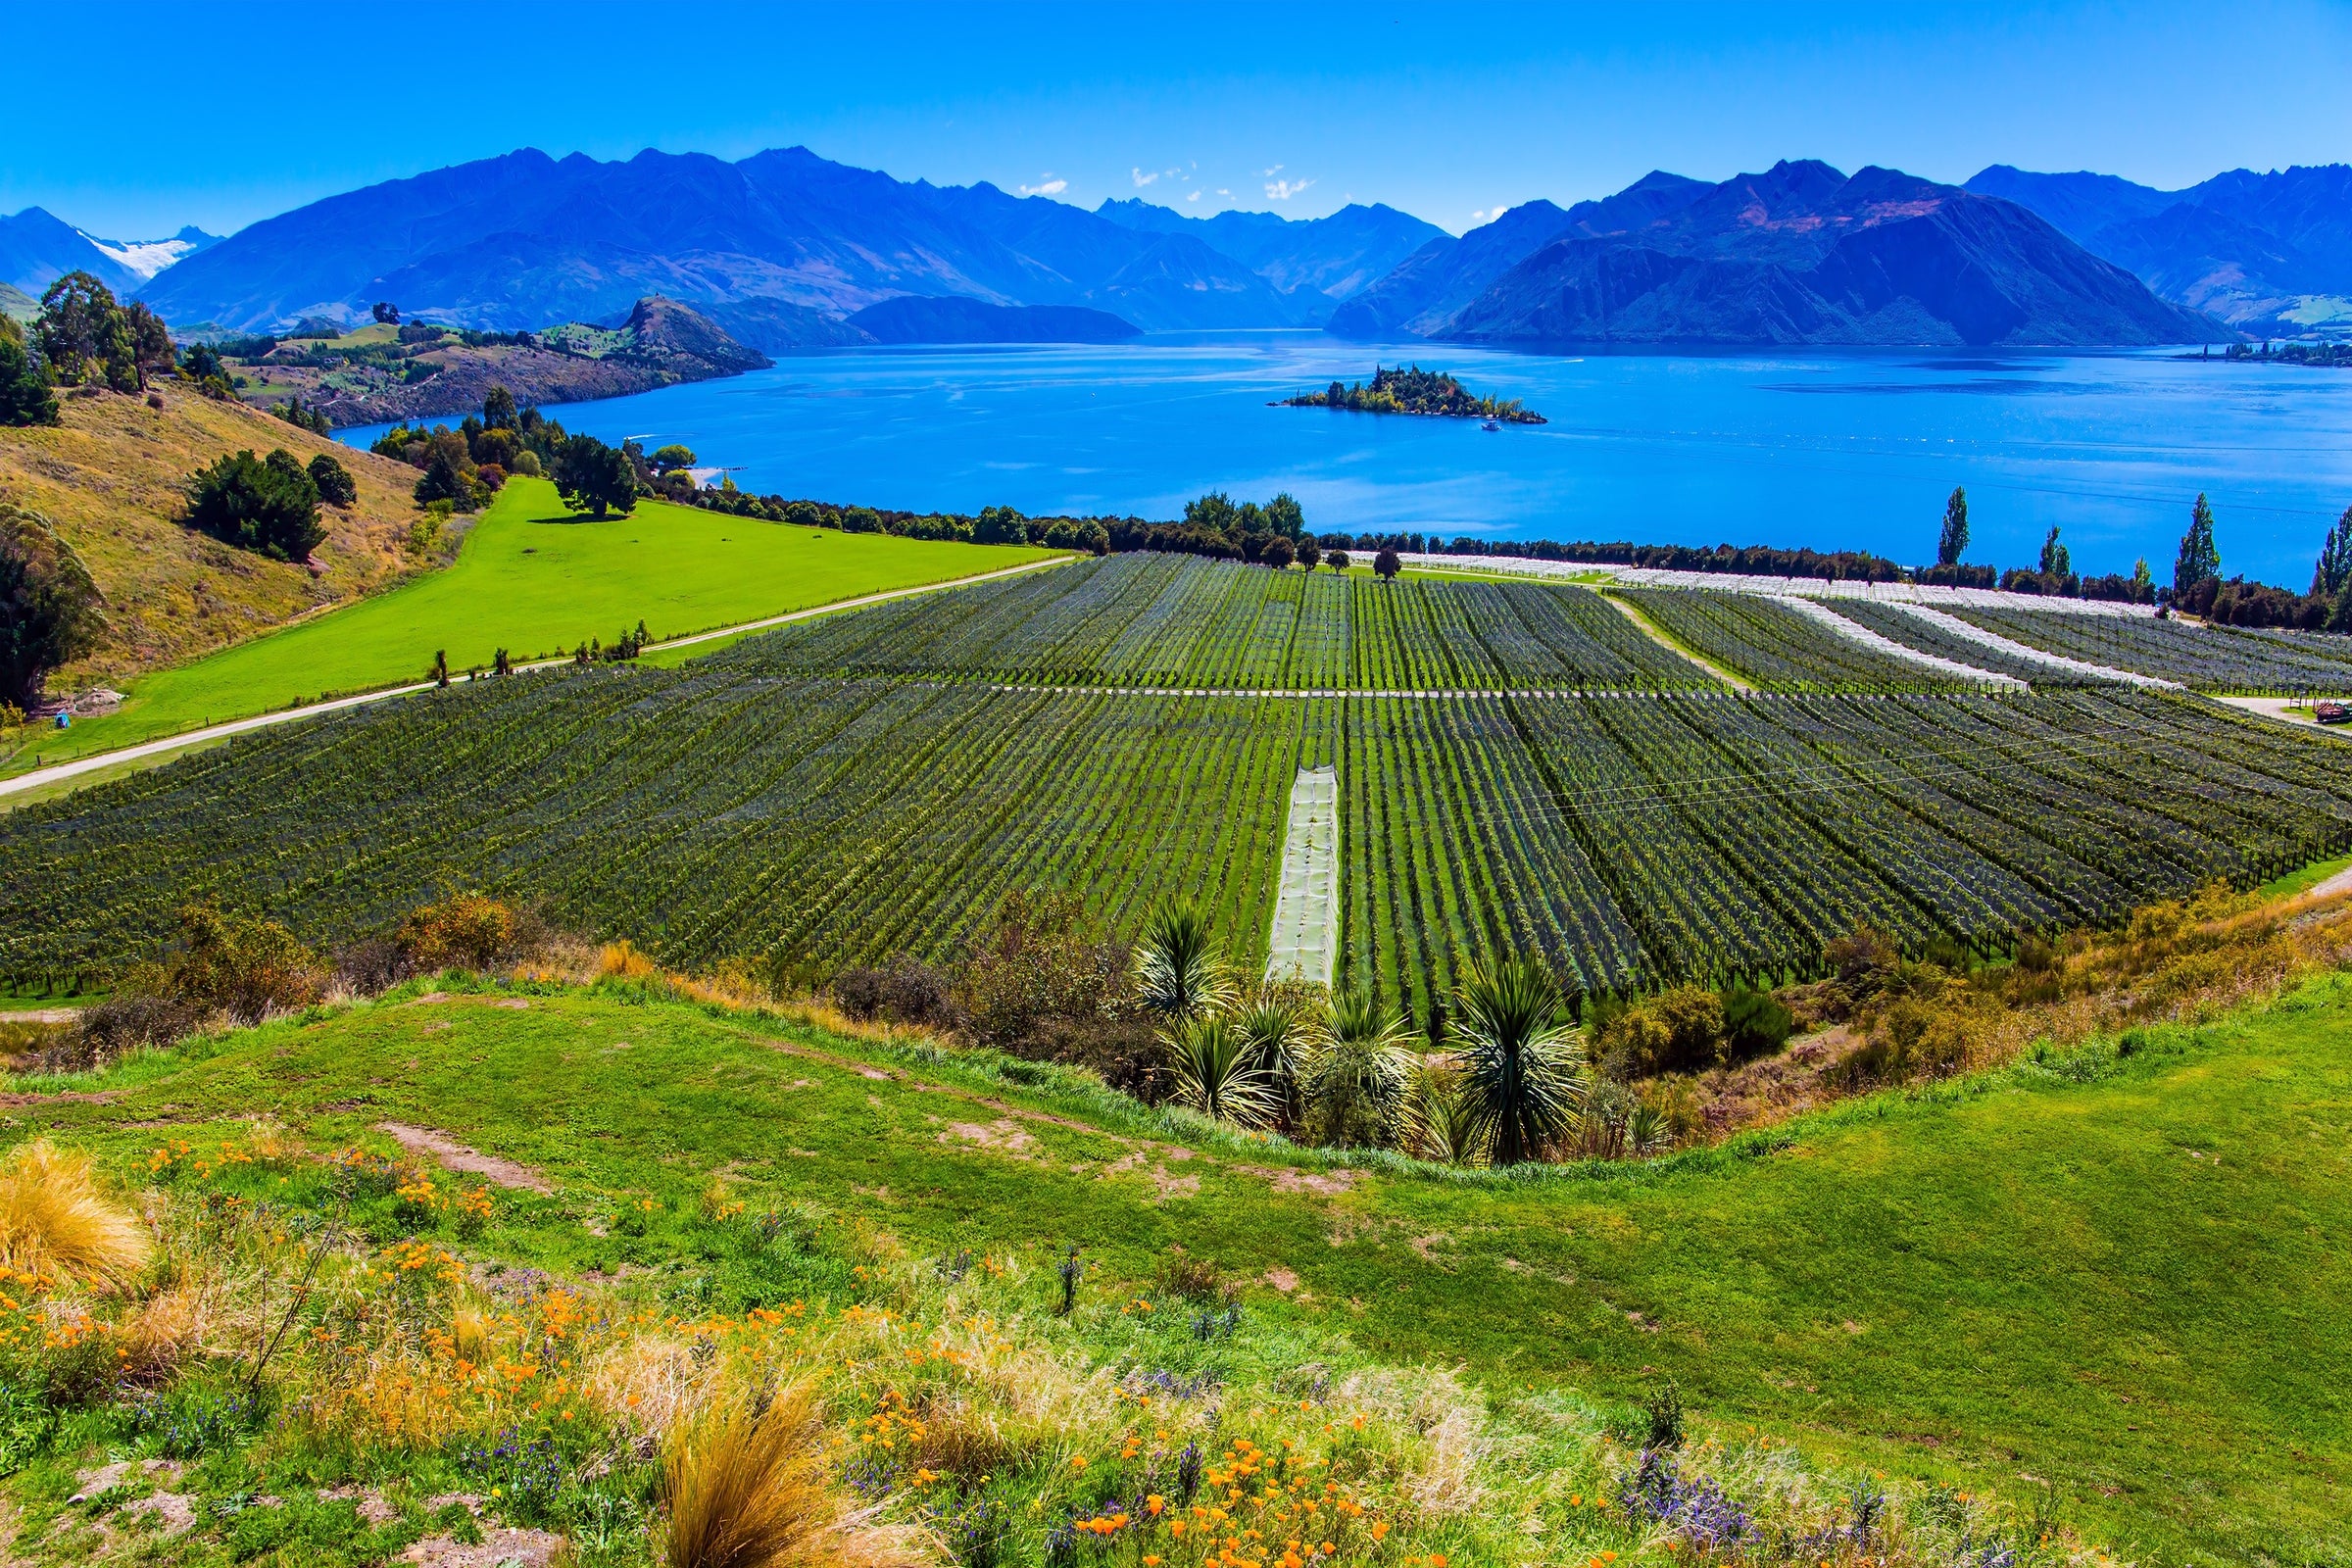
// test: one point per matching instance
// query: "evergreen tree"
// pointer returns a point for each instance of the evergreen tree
(2335, 558)
(266, 504)
(2056, 562)
(2200, 560)
(498, 408)
(1954, 538)
(25, 394)
(49, 607)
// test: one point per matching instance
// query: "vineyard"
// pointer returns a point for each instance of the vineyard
(2206, 658)
(1180, 621)
(1917, 631)
(813, 821)
(1779, 650)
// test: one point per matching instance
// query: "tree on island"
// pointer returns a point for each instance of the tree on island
(1386, 564)
(1954, 539)
(2334, 569)
(2200, 559)
(595, 478)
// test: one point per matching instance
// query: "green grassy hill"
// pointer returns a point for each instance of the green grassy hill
(2119, 1273)
(536, 580)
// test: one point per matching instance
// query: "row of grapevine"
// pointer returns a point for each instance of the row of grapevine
(2206, 658)
(1174, 621)
(1899, 624)
(1778, 650)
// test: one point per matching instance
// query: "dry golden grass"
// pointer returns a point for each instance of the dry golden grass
(108, 476)
(55, 1220)
(749, 1486)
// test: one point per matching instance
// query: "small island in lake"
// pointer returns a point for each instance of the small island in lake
(1412, 390)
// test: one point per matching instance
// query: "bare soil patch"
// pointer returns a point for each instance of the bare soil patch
(457, 1156)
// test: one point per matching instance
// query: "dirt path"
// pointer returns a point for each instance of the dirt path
(1308, 906)
(214, 732)
(457, 1156)
(2278, 708)
(1657, 634)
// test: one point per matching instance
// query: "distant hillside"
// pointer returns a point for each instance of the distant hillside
(109, 478)
(2269, 254)
(17, 303)
(1800, 254)
(1317, 261)
(379, 375)
(911, 318)
(513, 242)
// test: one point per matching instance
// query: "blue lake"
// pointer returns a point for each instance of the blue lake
(1811, 447)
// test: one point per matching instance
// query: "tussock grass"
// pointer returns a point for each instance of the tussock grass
(750, 1486)
(55, 1219)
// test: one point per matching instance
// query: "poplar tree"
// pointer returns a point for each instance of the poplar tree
(2335, 558)
(2200, 560)
(1954, 538)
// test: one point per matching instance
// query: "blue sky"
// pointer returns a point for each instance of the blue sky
(1447, 111)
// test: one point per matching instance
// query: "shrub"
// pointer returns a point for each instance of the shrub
(121, 1024)
(1754, 1024)
(246, 967)
(1910, 1039)
(469, 930)
(1037, 972)
(269, 505)
(334, 481)
(903, 991)
(1680, 1030)
(54, 1219)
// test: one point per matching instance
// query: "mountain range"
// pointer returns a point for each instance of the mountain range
(2269, 254)
(774, 247)
(1801, 253)
(783, 249)
(36, 247)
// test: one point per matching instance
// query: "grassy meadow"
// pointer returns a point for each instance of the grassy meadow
(536, 580)
(2109, 1279)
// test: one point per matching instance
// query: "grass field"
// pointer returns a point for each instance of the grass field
(2117, 1273)
(535, 580)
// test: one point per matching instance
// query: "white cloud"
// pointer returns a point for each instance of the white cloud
(1142, 180)
(1270, 174)
(1049, 187)
(1222, 191)
(1282, 190)
(1192, 195)
(1487, 215)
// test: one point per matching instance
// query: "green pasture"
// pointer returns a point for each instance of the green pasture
(537, 581)
(2118, 1274)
